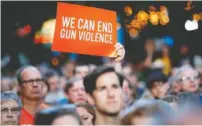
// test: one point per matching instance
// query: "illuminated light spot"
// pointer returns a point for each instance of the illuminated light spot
(128, 26)
(142, 16)
(136, 24)
(152, 9)
(128, 10)
(154, 18)
(200, 14)
(55, 61)
(196, 17)
(164, 20)
(133, 32)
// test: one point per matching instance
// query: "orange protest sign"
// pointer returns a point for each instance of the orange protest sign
(85, 30)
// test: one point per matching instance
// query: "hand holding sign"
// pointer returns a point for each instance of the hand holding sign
(120, 51)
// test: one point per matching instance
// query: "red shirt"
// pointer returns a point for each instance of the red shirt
(26, 118)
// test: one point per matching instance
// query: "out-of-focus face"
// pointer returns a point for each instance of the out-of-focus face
(63, 82)
(66, 120)
(32, 84)
(54, 83)
(77, 93)
(127, 70)
(10, 112)
(189, 80)
(81, 71)
(159, 89)
(108, 94)
(128, 92)
(86, 117)
(175, 87)
(44, 90)
(5, 84)
(68, 69)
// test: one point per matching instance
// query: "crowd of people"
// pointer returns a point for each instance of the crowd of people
(115, 93)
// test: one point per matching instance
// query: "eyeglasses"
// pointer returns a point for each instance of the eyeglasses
(14, 110)
(192, 78)
(31, 81)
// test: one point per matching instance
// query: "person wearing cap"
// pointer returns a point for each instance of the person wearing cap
(157, 85)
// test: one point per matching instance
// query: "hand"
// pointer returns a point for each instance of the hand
(120, 51)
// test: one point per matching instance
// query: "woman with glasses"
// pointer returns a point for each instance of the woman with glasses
(188, 79)
(10, 108)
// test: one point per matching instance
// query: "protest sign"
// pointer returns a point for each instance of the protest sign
(85, 30)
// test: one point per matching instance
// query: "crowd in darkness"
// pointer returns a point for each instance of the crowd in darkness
(114, 93)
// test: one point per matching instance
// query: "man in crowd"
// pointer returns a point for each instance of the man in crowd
(31, 84)
(10, 108)
(157, 85)
(105, 87)
(75, 90)
(55, 95)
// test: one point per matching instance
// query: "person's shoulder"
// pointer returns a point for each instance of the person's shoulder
(189, 97)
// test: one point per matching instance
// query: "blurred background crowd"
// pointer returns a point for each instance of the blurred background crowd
(158, 82)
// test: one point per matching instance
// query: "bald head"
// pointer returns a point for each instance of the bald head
(26, 69)
(31, 82)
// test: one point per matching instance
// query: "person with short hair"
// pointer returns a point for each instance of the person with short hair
(58, 115)
(10, 108)
(188, 79)
(55, 95)
(104, 85)
(75, 90)
(157, 85)
(31, 85)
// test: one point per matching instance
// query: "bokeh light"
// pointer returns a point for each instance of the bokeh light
(128, 10)
(154, 18)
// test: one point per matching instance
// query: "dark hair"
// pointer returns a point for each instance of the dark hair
(90, 79)
(70, 83)
(50, 73)
(89, 108)
(19, 72)
(156, 75)
(47, 116)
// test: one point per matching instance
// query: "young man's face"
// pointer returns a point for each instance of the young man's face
(108, 94)
(77, 93)
(189, 81)
(159, 89)
(32, 84)
(10, 112)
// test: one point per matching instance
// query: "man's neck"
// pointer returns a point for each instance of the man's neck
(30, 105)
(102, 119)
